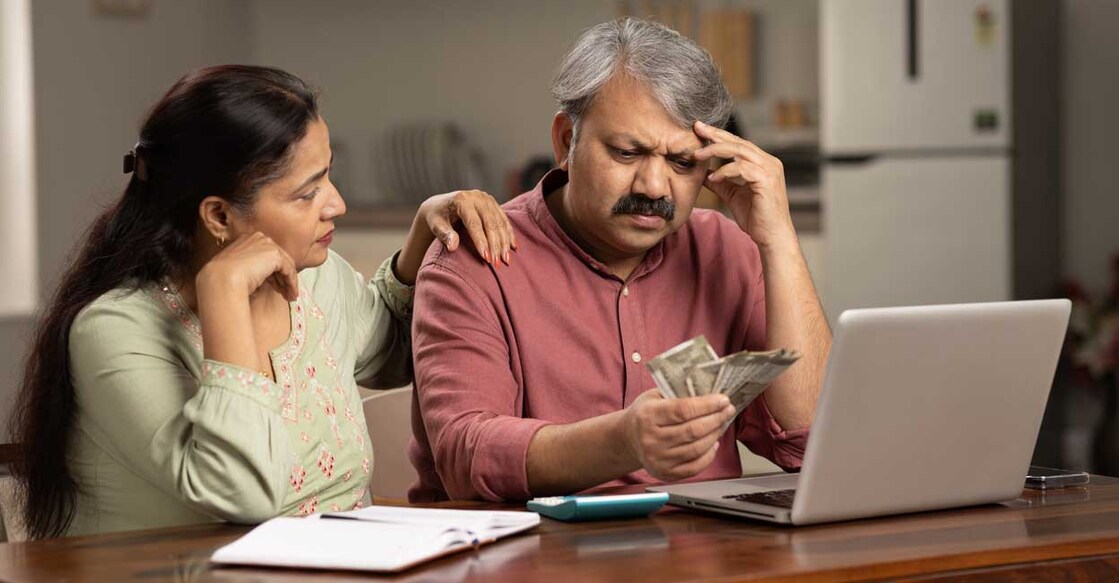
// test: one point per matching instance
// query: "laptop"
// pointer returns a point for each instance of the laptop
(922, 408)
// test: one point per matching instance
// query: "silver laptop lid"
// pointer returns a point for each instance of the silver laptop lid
(929, 407)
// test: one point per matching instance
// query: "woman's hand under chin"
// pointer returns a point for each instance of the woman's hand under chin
(246, 264)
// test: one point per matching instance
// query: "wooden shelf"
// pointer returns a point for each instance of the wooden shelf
(395, 216)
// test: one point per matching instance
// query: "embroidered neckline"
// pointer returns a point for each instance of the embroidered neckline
(285, 355)
(173, 302)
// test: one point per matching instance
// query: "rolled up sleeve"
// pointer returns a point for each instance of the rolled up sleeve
(469, 400)
(761, 433)
(757, 429)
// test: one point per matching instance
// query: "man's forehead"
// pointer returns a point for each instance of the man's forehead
(675, 140)
(626, 109)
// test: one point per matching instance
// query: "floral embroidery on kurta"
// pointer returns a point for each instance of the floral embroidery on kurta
(299, 373)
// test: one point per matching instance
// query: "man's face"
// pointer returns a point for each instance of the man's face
(632, 179)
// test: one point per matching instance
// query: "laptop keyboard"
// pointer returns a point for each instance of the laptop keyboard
(780, 498)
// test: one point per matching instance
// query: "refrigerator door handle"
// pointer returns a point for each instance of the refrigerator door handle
(911, 38)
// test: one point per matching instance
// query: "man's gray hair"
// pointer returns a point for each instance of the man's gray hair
(678, 71)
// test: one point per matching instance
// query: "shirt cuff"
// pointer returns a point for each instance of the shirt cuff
(242, 381)
(783, 447)
(397, 294)
(499, 468)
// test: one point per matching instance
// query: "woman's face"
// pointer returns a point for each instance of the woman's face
(297, 210)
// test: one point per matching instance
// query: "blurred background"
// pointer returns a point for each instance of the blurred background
(935, 150)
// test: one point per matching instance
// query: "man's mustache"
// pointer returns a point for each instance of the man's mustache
(636, 204)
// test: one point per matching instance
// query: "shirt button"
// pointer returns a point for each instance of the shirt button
(636, 357)
(625, 291)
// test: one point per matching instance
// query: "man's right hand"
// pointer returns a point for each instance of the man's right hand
(674, 439)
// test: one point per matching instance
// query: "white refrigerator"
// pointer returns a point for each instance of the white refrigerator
(916, 150)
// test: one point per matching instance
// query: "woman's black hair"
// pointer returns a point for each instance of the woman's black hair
(224, 131)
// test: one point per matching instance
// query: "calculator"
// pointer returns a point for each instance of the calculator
(581, 508)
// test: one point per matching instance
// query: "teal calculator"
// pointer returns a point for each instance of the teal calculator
(580, 508)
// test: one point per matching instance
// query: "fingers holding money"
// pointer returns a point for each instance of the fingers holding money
(692, 369)
(696, 437)
(679, 412)
(689, 468)
(674, 439)
(652, 410)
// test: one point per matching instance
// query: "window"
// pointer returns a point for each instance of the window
(18, 232)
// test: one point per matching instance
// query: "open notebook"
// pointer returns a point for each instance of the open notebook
(377, 538)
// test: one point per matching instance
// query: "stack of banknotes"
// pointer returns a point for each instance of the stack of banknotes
(692, 369)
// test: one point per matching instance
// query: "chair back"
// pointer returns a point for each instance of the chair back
(12, 528)
(388, 415)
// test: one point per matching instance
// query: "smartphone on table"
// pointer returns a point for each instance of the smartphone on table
(1041, 478)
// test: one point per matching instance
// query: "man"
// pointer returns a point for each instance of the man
(531, 378)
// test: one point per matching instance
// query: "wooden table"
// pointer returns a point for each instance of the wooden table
(1070, 534)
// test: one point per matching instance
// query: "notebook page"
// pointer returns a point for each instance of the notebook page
(487, 524)
(342, 544)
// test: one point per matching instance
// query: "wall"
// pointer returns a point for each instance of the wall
(485, 66)
(786, 58)
(366, 249)
(95, 76)
(1091, 126)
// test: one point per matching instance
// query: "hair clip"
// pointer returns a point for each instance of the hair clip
(134, 163)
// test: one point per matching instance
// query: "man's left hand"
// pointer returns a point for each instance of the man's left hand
(751, 184)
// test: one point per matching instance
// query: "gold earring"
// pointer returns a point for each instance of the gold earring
(221, 241)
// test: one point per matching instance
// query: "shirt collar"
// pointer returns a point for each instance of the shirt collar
(538, 210)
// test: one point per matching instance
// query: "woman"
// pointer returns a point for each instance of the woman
(198, 361)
